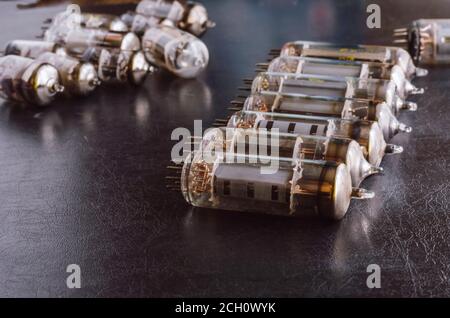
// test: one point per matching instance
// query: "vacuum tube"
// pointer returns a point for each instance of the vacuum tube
(77, 40)
(370, 53)
(188, 16)
(427, 40)
(296, 188)
(78, 78)
(293, 103)
(265, 143)
(32, 49)
(354, 69)
(176, 51)
(117, 65)
(28, 81)
(367, 133)
(100, 21)
(103, 21)
(375, 90)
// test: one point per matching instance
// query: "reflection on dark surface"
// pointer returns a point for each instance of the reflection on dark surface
(83, 180)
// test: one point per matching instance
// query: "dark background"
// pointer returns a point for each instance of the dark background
(83, 181)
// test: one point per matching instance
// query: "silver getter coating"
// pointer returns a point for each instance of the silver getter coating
(118, 65)
(78, 78)
(25, 80)
(186, 15)
(177, 51)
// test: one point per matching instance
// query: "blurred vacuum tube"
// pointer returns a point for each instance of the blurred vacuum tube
(296, 188)
(188, 16)
(427, 40)
(368, 53)
(100, 21)
(263, 142)
(103, 21)
(25, 80)
(33, 48)
(294, 103)
(78, 78)
(177, 51)
(76, 40)
(374, 90)
(340, 68)
(118, 65)
(367, 133)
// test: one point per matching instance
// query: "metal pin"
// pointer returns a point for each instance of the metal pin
(234, 109)
(400, 41)
(260, 70)
(362, 194)
(420, 72)
(411, 106)
(174, 167)
(376, 170)
(404, 128)
(210, 24)
(246, 89)
(393, 149)
(262, 65)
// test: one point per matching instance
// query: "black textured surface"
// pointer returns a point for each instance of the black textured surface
(83, 181)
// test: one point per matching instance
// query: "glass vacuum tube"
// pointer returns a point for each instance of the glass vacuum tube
(370, 53)
(375, 90)
(367, 133)
(100, 21)
(354, 69)
(25, 80)
(118, 65)
(189, 16)
(77, 40)
(78, 78)
(427, 40)
(176, 51)
(293, 103)
(33, 49)
(308, 189)
(103, 21)
(262, 142)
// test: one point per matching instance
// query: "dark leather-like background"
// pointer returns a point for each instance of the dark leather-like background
(83, 181)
